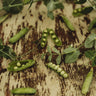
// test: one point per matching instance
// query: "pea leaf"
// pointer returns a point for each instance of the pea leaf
(7, 52)
(95, 44)
(55, 50)
(1, 43)
(72, 57)
(89, 53)
(46, 2)
(92, 24)
(50, 15)
(59, 6)
(51, 6)
(69, 50)
(94, 62)
(89, 42)
(58, 59)
(13, 10)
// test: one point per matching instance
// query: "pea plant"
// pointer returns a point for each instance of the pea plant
(68, 55)
(6, 51)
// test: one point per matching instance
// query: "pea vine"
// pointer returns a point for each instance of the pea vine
(68, 55)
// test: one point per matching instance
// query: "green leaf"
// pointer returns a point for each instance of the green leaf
(48, 49)
(92, 24)
(89, 42)
(50, 15)
(69, 50)
(50, 57)
(89, 53)
(94, 62)
(59, 6)
(72, 57)
(14, 10)
(55, 50)
(46, 2)
(1, 42)
(51, 6)
(7, 52)
(95, 44)
(58, 59)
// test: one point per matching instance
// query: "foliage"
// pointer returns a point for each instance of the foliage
(72, 57)
(51, 6)
(6, 51)
(90, 41)
(14, 10)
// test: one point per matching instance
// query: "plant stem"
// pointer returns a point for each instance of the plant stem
(7, 55)
(80, 46)
(26, 53)
(16, 5)
(34, 49)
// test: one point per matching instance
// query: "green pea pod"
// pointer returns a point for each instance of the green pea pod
(3, 18)
(87, 82)
(56, 68)
(19, 35)
(20, 65)
(44, 38)
(68, 23)
(55, 38)
(79, 1)
(23, 91)
(82, 11)
(92, 24)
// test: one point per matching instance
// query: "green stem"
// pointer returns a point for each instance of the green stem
(34, 49)
(16, 5)
(7, 55)
(10, 6)
(80, 46)
(26, 53)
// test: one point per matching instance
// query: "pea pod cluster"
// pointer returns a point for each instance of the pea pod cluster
(23, 91)
(20, 65)
(44, 38)
(57, 69)
(87, 82)
(82, 11)
(19, 35)
(53, 36)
